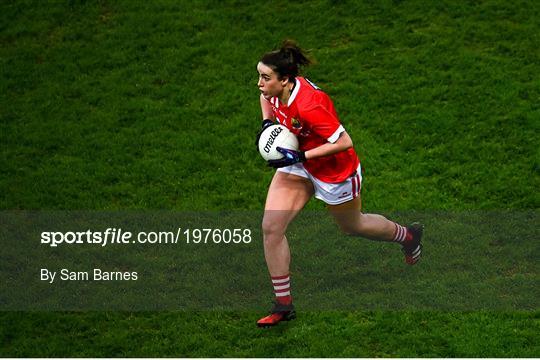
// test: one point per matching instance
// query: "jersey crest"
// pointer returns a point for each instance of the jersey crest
(296, 124)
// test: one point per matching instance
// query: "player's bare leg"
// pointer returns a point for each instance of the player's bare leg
(353, 221)
(287, 195)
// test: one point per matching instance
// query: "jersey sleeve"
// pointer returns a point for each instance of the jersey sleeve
(323, 123)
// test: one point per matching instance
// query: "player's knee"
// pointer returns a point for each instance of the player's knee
(272, 231)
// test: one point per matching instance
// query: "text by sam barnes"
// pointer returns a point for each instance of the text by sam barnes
(92, 275)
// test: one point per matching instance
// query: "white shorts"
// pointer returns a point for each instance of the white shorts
(332, 194)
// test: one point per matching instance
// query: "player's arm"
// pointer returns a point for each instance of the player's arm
(337, 139)
(266, 109)
(327, 125)
(268, 118)
(342, 143)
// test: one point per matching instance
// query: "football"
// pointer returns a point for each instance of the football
(274, 136)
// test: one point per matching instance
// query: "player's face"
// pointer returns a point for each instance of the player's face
(268, 83)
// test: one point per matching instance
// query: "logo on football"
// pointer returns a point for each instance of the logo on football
(274, 136)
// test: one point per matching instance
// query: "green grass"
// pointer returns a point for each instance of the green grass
(225, 334)
(131, 105)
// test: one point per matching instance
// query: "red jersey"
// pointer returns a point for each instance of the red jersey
(311, 116)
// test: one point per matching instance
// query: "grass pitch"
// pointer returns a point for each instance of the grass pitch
(126, 105)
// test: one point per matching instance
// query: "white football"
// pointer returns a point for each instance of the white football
(274, 136)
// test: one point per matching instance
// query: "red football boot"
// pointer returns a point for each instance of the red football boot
(280, 312)
(413, 248)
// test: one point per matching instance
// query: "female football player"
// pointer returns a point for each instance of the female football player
(325, 166)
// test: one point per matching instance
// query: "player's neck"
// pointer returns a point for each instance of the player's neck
(286, 93)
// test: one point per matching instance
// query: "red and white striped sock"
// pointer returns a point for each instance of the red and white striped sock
(282, 288)
(401, 234)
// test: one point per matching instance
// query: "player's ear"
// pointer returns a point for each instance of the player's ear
(284, 80)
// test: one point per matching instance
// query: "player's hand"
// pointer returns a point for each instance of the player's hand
(290, 157)
(266, 123)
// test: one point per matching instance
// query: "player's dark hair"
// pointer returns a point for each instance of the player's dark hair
(287, 60)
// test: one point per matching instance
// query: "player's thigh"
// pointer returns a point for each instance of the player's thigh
(288, 192)
(348, 215)
(287, 195)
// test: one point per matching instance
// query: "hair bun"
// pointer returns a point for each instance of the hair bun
(296, 55)
(287, 60)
